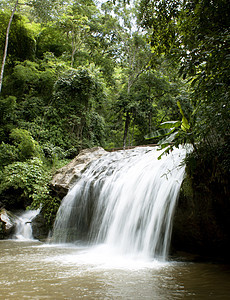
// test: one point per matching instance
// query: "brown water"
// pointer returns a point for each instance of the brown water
(32, 270)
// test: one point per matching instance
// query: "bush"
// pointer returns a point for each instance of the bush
(25, 143)
(28, 179)
(8, 154)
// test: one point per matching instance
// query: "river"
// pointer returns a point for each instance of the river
(33, 270)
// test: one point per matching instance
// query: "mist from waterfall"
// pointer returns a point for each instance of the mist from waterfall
(125, 200)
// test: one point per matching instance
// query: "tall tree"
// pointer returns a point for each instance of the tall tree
(196, 34)
(6, 44)
(41, 8)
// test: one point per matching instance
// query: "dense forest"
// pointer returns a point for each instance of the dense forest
(83, 73)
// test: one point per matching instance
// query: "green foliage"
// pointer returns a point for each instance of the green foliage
(78, 85)
(209, 168)
(23, 79)
(93, 79)
(28, 178)
(21, 42)
(26, 145)
(7, 116)
(160, 16)
(49, 209)
(53, 153)
(51, 40)
(26, 184)
(173, 133)
(96, 129)
(8, 154)
(200, 45)
(7, 109)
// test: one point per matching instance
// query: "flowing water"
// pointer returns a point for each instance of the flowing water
(32, 270)
(23, 229)
(125, 200)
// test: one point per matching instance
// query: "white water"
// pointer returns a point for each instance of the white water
(23, 231)
(125, 201)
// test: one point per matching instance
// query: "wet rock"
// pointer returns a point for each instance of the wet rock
(201, 223)
(2, 229)
(40, 229)
(7, 223)
(66, 177)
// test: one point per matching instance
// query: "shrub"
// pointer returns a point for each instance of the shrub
(25, 143)
(29, 179)
(8, 154)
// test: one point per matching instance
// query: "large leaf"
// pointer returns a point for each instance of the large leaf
(170, 124)
(169, 139)
(159, 133)
(184, 123)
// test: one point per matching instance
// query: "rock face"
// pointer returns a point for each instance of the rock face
(65, 177)
(201, 223)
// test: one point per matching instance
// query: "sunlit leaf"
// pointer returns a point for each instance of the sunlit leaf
(169, 139)
(159, 133)
(170, 124)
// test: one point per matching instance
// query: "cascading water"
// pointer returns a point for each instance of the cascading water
(125, 199)
(23, 229)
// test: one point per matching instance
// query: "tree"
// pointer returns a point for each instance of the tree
(39, 11)
(74, 23)
(6, 44)
(77, 93)
(196, 35)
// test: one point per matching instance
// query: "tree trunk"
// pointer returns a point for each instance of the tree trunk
(127, 122)
(6, 44)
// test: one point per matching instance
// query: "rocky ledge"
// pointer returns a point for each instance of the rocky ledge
(66, 177)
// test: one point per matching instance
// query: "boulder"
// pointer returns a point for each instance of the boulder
(40, 229)
(7, 223)
(66, 177)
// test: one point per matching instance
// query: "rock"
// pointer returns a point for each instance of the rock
(7, 223)
(201, 223)
(2, 229)
(39, 227)
(66, 177)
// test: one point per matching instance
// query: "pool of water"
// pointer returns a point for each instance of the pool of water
(33, 270)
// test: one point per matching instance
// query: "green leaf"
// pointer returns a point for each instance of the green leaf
(170, 124)
(159, 133)
(169, 139)
(184, 124)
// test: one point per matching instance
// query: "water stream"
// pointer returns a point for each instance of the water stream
(23, 230)
(125, 201)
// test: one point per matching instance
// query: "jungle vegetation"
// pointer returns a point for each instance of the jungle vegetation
(82, 73)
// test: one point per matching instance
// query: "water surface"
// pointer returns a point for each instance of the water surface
(32, 270)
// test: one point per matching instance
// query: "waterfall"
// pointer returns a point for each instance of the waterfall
(23, 230)
(125, 199)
